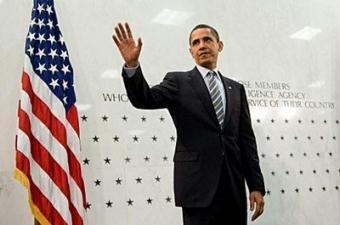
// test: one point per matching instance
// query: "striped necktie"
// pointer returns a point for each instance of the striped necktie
(216, 97)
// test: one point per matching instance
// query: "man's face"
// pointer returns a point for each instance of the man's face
(204, 48)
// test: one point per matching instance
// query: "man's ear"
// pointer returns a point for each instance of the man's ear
(190, 50)
(220, 46)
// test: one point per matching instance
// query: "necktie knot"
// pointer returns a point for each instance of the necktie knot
(212, 74)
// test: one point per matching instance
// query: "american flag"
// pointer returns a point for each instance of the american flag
(47, 141)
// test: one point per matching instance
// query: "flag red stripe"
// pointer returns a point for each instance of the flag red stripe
(76, 218)
(22, 164)
(38, 199)
(72, 117)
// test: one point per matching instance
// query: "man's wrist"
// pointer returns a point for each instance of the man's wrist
(130, 71)
(131, 64)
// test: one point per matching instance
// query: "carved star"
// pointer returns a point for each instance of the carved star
(88, 205)
(107, 160)
(147, 159)
(86, 161)
(116, 138)
(129, 202)
(135, 139)
(84, 118)
(97, 182)
(139, 180)
(109, 204)
(149, 200)
(168, 199)
(127, 159)
(105, 118)
(95, 139)
(118, 181)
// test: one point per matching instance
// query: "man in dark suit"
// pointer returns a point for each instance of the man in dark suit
(216, 149)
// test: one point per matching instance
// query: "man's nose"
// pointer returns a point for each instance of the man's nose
(202, 45)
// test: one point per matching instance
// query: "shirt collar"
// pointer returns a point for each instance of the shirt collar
(204, 71)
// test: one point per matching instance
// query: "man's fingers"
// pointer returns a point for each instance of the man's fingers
(116, 40)
(118, 34)
(259, 208)
(251, 204)
(256, 214)
(139, 45)
(122, 30)
(128, 30)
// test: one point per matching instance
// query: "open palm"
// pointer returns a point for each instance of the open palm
(127, 45)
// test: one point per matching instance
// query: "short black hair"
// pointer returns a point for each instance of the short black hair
(200, 26)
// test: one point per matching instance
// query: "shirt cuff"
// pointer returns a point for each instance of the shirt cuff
(130, 71)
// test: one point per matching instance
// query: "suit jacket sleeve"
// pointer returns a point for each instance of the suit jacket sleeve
(248, 147)
(143, 97)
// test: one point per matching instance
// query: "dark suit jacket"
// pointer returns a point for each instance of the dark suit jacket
(202, 146)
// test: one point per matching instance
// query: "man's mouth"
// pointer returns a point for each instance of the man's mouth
(204, 54)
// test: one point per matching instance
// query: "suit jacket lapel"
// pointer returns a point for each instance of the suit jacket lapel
(202, 92)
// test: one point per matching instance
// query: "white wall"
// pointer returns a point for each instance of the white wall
(261, 45)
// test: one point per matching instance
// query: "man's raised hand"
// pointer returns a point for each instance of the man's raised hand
(127, 45)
